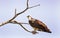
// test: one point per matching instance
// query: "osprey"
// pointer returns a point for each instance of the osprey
(37, 25)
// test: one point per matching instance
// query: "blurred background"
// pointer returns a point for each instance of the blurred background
(48, 12)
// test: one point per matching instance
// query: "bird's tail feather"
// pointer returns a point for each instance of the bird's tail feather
(45, 30)
(48, 31)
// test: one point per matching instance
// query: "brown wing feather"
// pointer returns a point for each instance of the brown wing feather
(41, 23)
(42, 26)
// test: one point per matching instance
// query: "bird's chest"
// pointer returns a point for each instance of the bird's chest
(32, 23)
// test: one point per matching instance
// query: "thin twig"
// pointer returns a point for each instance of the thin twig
(15, 12)
(24, 28)
(34, 6)
(27, 3)
(14, 22)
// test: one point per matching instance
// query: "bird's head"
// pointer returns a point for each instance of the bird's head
(29, 17)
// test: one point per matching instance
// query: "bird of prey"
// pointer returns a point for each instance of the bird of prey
(38, 25)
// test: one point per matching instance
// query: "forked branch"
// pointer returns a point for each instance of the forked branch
(16, 14)
(15, 22)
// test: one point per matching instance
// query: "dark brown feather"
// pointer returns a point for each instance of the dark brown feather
(43, 26)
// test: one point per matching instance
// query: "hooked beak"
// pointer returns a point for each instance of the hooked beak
(28, 16)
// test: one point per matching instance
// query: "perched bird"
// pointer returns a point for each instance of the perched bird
(38, 25)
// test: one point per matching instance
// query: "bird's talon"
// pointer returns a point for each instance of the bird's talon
(34, 32)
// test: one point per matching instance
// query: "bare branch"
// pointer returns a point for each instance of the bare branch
(24, 11)
(15, 22)
(24, 28)
(34, 6)
(4, 23)
(27, 4)
(24, 23)
(15, 11)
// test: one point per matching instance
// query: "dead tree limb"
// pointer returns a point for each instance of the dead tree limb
(16, 14)
(15, 22)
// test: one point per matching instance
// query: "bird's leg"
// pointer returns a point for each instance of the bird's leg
(34, 31)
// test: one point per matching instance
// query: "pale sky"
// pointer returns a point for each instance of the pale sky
(48, 12)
